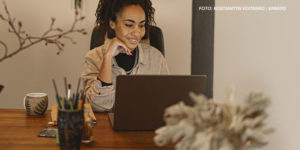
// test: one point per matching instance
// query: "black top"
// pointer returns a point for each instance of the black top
(124, 61)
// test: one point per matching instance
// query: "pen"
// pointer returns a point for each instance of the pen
(56, 94)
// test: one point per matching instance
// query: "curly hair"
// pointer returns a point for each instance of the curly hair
(108, 9)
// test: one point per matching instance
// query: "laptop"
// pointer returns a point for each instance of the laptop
(140, 100)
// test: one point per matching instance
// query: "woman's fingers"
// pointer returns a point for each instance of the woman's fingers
(123, 48)
(128, 52)
(118, 46)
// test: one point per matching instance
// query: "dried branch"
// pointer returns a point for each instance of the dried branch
(5, 48)
(51, 36)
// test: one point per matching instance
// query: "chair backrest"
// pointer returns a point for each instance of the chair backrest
(156, 38)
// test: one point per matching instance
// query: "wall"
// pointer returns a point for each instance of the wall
(174, 17)
(260, 51)
(33, 69)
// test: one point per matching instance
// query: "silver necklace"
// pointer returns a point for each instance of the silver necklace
(135, 61)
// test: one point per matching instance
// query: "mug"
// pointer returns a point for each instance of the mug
(36, 104)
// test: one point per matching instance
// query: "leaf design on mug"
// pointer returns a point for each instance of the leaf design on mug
(41, 107)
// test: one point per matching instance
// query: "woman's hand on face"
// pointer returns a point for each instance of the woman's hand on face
(117, 46)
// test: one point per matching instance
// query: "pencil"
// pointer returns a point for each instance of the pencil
(66, 103)
(56, 93)
(78, 85)
(71, 105)
(69, 92)
(80, 104)
(57, 138)
(55, 88)
(66, 88)
(61, 103)
(78, 96)
(58, 102)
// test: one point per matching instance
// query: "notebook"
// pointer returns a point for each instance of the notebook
(140, 100)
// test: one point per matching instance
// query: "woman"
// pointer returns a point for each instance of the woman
(126, 22)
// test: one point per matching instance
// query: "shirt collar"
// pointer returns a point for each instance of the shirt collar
(142, 58)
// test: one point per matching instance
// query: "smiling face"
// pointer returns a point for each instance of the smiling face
(129, 26)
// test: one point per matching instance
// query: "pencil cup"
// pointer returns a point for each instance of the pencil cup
(70, 125)
(36, 103)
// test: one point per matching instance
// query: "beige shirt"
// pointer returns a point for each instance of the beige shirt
(102, 98)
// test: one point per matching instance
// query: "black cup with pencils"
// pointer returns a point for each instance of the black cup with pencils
(70, 126)
(70, 117)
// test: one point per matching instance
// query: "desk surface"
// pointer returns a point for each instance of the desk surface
(19, 131)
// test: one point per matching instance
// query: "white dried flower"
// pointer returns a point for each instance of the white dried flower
(209, 125)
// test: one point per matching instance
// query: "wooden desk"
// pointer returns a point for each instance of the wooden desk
(19, 131)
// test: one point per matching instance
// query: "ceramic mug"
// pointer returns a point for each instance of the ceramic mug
(36, 104)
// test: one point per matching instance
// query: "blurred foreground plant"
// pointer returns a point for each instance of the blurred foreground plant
(209, 125)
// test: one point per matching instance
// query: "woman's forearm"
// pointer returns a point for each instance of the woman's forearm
(106, 69)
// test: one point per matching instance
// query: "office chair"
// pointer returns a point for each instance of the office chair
(156, 38)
